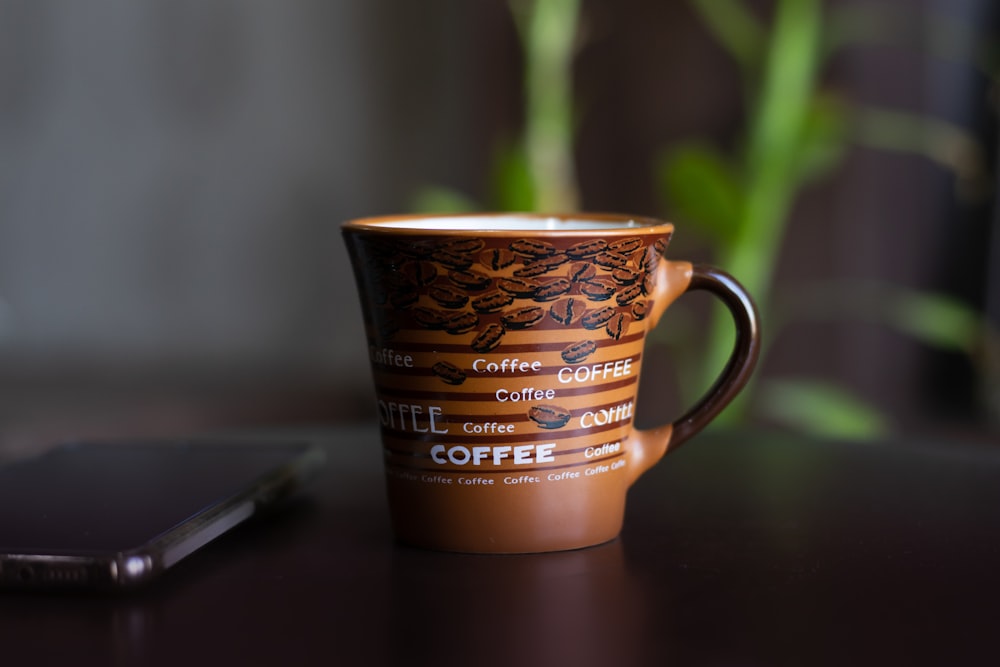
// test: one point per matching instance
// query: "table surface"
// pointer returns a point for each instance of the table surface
(738, 549)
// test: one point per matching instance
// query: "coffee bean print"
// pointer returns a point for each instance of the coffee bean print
(451, 260)
(650, 258)
(549, 416)
(552, 289)
(463, 285)
(566, 311)
(419, 250)
(488, 339)
(618, 325)
(404, 298)
(522, 318)
(400, 280)
(541, 266)
(597, 289)
(587, 248)
(461, 323)
(611, 260)
(577, 352)
(492, 302)
(388, 328)
(533, 248)
(471, 279)
(522, 288)
(448, 372)
(648, 283)
(497, 258)
(626, 246)
(419, 273)
(449, 298)
(624, 276)
(597, 318)
(429, 318)
(582, 272)
(462, 246)
(628, 295)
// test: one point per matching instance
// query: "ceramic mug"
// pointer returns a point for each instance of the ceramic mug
(506, 351)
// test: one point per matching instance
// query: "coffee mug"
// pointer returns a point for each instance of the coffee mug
(506, 351)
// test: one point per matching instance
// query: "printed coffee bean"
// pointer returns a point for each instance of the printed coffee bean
(660, 245)
(498, 258)
(470, 279)
(541, 266)
(597, 289)
(388, 328)
(597, 318)
(522, 288)
(639, 310)
(624, 276)
(448, 297)
(553, 289)
(532, 248)
(649, 259)
(611, 260)
(451, 260)
(587, 248)
(566, 311)
(549, 416)
(522, 318)
(418, 250)
(461, 323)
(626, 246)
(578, 352)
(448, 372)
(648, 283)
(618, 325)
(429, 318)
(582, 271)
(462, 246)
(492, 302)
(399, 281)
(419, 272)
(488, 339)
(628, 295)
(404, 298)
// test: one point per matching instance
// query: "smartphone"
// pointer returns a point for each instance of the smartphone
(117, 515)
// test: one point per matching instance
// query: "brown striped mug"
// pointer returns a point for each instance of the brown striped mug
(506, 351)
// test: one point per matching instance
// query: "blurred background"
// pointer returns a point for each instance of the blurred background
(173, 174)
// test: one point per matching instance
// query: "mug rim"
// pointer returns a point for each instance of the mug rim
(603, 223)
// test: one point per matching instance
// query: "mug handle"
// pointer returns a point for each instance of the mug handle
(675, 279)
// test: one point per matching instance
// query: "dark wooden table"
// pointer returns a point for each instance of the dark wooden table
(739, 549)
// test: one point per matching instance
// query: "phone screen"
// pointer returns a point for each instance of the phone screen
(124, 512)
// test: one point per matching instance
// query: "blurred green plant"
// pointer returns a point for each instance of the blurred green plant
(796, 134)
(535, 170)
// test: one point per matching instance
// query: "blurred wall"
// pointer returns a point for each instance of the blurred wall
(173, 173)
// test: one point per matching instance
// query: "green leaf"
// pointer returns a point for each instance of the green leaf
(511, 183)
(701, 187)
(936, 320)
(735, 27)
(434, 199)
(820, 408)
(824, 137)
